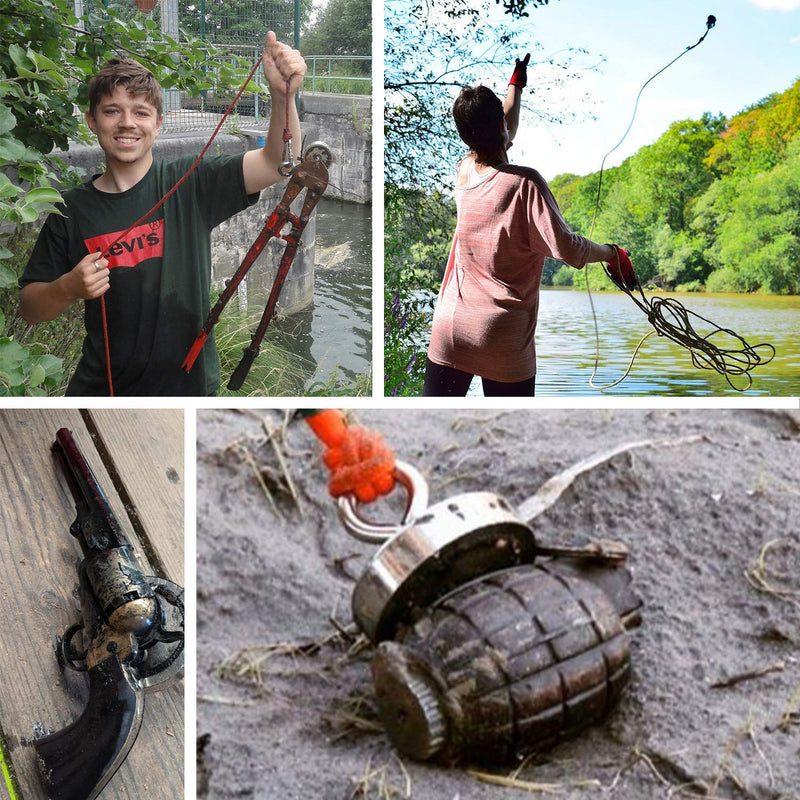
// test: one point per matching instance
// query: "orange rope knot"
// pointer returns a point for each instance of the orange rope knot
(360, 461)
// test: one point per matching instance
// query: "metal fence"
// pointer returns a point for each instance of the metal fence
(238, 29)
(340, 74)
(325, 74)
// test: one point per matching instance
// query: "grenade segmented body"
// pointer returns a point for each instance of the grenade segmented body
(503, 666)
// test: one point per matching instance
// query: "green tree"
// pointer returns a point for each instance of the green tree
(671, 172)
(757, 138)
(240, 22)
(759, 243)
(343, 28)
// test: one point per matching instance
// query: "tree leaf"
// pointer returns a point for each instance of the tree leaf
(20, 57)
(27, 213)
(42, 195)
(8, 278)
(7, 119)
(7, 188)
(37, 375)
(11, 149)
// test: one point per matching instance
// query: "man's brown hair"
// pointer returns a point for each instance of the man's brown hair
(478, 113)
(130, 74)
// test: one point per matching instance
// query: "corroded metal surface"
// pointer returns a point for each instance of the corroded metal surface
(503, 666)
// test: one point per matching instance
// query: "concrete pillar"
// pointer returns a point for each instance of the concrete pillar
(169, 26)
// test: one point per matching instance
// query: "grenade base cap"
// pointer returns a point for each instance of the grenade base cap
(409, 703)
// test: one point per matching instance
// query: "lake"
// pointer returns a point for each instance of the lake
(565, 345)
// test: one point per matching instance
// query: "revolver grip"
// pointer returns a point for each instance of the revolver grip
(78, 761)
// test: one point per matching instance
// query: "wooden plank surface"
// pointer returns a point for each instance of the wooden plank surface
(38, 581)
(154, 437)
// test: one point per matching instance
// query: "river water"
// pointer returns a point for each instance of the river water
(565, 346)
(335, 333)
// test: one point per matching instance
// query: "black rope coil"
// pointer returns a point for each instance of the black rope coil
(734, 357)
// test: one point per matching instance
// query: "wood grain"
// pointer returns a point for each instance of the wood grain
(38, 581)
(156, 493)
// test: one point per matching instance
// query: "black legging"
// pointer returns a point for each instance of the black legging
(451, 382)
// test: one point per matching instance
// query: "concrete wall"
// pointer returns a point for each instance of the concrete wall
(343, 123)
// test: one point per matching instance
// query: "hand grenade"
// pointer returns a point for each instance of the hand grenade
(489, 646)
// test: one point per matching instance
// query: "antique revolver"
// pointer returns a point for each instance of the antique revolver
(132, 628)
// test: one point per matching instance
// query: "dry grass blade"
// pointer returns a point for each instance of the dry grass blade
(375, 784)
(248, 457)
(248, 663)
(725, 765)
(354, 716)
(549, 492)
(273, 434)
(791, 713)
(531, 786)
(761, 577)
(778, 666)
(213, 699)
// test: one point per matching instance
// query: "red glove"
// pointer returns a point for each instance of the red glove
(620, 270)
(520, 76)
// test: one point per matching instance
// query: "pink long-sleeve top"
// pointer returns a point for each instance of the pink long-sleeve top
(485, 316)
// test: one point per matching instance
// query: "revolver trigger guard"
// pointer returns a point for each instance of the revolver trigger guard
(161, 663)
(66, 655)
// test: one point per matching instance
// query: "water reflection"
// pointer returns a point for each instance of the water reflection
(565, 346)
(336, 331)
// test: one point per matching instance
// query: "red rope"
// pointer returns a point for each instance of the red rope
(106, 343)
(161, 203)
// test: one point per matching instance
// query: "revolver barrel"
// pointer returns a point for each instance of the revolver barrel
(95, 527)
(126, 599)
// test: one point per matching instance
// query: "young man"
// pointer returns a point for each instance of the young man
(156, 280)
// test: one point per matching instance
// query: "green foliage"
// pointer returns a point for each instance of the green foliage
(756, 139)
(417, 241)
(759, 242)
(709, 203)
(669, 173)
(339, 75)
(240, 22)
(338, 385)
(564, 277)
(275, 373)
(27, 370)
(342, 28)
(278, 371)
(408, 302)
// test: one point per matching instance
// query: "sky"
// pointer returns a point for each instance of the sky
(753, 51)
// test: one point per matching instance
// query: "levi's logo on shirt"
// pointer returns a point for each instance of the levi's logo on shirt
(143, 242)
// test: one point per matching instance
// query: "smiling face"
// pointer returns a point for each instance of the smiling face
(126, 126)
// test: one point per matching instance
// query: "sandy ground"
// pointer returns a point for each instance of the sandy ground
(294, 722)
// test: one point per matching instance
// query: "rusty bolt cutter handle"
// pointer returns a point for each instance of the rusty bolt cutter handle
(311, 175)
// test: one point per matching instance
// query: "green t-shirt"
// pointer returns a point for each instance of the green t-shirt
(160, 275)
